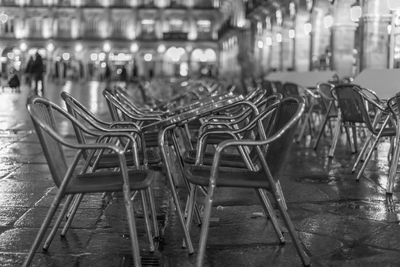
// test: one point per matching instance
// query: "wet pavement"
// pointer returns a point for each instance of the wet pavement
(341, 222)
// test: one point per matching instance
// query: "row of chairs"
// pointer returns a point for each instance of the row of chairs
(121, 156)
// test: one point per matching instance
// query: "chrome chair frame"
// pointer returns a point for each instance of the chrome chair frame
(41, 113)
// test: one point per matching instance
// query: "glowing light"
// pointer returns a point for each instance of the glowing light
(10, 55)
(134, 47)
(3, 17)
(106, 47)
(148, 57)
(389, 29)
(93, 57)
(66, 56)
(102, 56)
(23, 46)
(279, 37)
(355, 12)
(260, 44)
(103, 64)
(292, 33)
(328, 21)
(32, 51)
(175, 54)
(17, 51)
(3, 59)
(268, 41)
(161, 48)
(204, 23)
(183, 69)
(147, 22)
(210, 55)
(307, 28)
(50, 47)
(78, 47)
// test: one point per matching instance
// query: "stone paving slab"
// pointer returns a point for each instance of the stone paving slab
(340, 222)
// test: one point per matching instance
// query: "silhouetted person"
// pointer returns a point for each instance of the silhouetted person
(28, 71)
(37, 72)
(107, 73)
(124, 75)
(13, 81)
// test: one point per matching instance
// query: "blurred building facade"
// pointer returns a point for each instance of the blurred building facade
(80, 38)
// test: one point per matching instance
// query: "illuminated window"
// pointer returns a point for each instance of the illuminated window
(148, 25)
(203, 25)
(175, 25)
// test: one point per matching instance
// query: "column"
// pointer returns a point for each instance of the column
(302, 42)
(343, 33)
(375, 20)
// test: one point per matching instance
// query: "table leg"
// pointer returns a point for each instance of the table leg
(161, 141)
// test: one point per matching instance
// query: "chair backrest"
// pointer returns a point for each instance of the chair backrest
(351, 104)
(267, 86)
(277, 87)
(394, 106)
(290, 89)
(326, 99)
(117, 112)
(283, 128)
(43, 113)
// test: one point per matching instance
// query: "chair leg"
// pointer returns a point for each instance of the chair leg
(354, 131)
(205, 225)
(361, 171)
(321, 130)
(43, 227)
(190, 208)
(72, 213)
(361, 154)
(146, 220)
(269, 211)
(58, 222)
(175, 198)
(335, 137)
(153, 212)
(292, 231)
(280, 192)
(132, 227)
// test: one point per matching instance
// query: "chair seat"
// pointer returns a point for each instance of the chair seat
(110, 160)
(227, 177)
(387, 132)
(109, 181)
(227, 160)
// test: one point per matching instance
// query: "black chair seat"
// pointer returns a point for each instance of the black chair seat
(200, 175)
(227, 160)
(387, 132)
(109, 181)
(110, 160)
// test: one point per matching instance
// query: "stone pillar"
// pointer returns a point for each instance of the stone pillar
(343, 34)
(287, 45)
(375, 43)
(317, 44)
(302, 42)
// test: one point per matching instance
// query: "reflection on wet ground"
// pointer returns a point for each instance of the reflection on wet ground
(341, 222)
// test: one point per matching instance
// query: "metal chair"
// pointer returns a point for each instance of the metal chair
(290, 89)
(351, 112)
(271, 153)
(147, 157)
(394, 107)
(78, 177)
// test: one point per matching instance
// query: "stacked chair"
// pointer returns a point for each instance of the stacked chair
(242, 145)
(81, 176)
